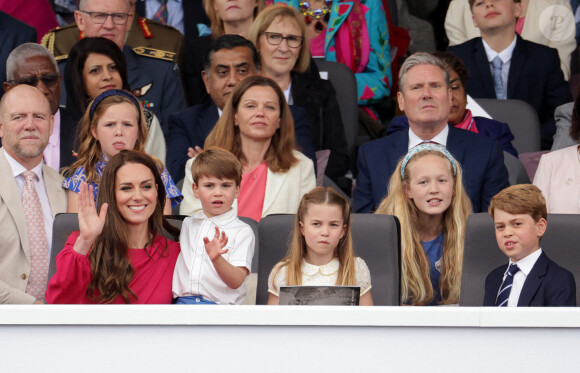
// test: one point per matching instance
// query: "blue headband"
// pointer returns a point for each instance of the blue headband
(428, 146)
(113, 92)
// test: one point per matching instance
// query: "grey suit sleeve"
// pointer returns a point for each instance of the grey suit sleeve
(563, 117)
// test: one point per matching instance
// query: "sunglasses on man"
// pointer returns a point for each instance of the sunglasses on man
(49, 80)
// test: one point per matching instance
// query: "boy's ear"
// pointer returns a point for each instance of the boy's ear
(237, 191)
(541, 226)
(195, 190)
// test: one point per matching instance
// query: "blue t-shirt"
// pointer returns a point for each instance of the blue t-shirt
(74, 182)
(434, 251)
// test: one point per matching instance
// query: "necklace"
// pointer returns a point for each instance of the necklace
(320, 13)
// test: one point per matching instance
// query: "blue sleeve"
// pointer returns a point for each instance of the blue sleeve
(177, 144)
(171, 190)
(173, 99)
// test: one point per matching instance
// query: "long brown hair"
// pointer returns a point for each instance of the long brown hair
(110, 266)
(226, 134)
(343, 251)
(90, 152)
(416, 285)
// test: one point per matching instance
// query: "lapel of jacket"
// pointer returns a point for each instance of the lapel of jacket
(519, 57)
(11, 197)
(132, 67)
(455, 143)
(54, 190)
(274, 184)
(340, 10)
(482, 63)
(533, 281)
(208, 118)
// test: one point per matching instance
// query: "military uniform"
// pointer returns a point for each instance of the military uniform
(152, 73)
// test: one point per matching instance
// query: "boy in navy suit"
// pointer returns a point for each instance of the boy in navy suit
(530, 278)
(502, 65)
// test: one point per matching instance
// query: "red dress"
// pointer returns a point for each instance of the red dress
(152, 279)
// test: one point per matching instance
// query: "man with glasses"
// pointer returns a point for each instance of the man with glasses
(230, 59)
(153, 75)
(32, 64)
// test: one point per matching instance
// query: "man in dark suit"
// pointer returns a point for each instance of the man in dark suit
(530, 279)
(524, 70)
(425, 97)
(13, 34)
(231, 59)
(34, 65)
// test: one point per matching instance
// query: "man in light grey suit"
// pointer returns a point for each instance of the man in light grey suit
(26, 123)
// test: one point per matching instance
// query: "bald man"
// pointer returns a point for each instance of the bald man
(26, 122)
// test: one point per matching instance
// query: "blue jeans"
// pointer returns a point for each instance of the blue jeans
(193, 299)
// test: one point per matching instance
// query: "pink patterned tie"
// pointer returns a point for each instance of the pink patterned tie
(37, 238)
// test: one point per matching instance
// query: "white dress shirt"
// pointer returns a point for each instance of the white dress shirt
(51, 153)
(17, 170)
(505, 56)
(526, 264)
(440, 138)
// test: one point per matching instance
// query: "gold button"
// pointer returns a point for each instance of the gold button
(24, 276)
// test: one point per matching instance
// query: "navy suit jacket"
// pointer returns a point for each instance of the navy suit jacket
(547, 285)
(13, 33)
(481, 159)
(191, 127)
(534, 77)
(486, 127)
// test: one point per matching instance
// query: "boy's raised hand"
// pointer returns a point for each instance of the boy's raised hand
(215, 247)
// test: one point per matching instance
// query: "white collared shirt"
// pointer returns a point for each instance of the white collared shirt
(525, 265)
(194, 271)
(174, 12)
(17, 170)
(288, 94)
(440, 138)
(505, 56)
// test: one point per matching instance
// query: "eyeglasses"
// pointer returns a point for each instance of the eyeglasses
(49, 80)
(100, 17)
(275, 38)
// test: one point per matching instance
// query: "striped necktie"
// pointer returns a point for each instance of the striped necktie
(161, 14)
(497, 65)
(506, 287)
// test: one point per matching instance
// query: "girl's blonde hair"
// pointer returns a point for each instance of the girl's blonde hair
(416, 285)
(265, 19)
(216, 23)
(343, 251)
(90, 152)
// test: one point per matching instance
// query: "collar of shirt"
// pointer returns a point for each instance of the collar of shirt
(220, 112)
(18, 169)
(505, 55)
(440, 138)
(52, 151)
(288, 94)
(526, 264)
(220, 220)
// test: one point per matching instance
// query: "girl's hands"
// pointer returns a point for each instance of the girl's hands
(215, 247)
(90, 223)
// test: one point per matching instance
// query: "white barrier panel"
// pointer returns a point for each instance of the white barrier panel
(287, 339)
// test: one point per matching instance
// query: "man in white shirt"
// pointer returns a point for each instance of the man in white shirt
(26, 123)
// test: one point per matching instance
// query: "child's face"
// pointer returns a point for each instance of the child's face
(117, 128)
(518, 235)
(322, 228)
(216, 195)
(430, 185)
(489, 15)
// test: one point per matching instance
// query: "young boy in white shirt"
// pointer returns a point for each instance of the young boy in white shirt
(216, 247)
(530, 278)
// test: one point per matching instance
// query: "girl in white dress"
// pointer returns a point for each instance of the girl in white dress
(321, 252)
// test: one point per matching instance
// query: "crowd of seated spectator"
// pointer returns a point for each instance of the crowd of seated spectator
(231, 100)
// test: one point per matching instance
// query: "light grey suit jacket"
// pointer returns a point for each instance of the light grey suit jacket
(14, 246)
(563, 117)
